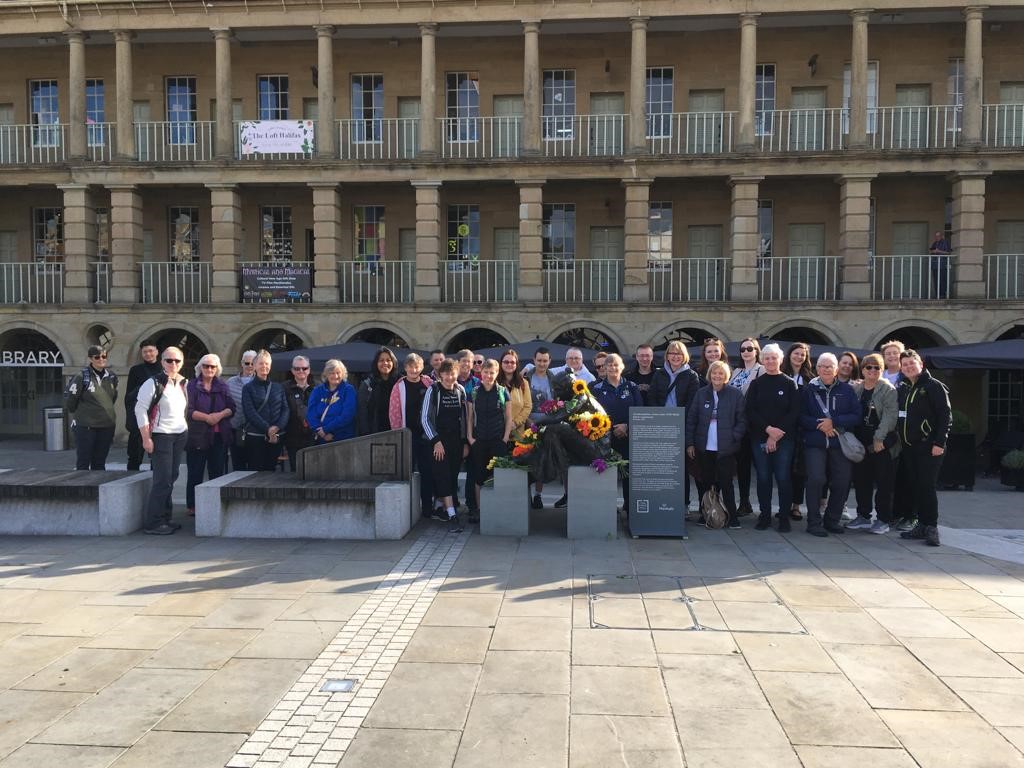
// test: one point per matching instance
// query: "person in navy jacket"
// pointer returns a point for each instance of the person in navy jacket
(617, 395)
(266, 416)
(827, 406)
(331, 412)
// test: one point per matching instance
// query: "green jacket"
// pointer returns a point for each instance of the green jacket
(90, 398)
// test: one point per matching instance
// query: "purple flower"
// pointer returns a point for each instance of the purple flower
(599, 465)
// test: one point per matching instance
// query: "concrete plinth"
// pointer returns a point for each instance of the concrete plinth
(505, 505)
(593, 504)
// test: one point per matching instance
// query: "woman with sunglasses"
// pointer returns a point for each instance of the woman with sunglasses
(90, 398)
(208, 412)
(797, 365)
(266, 417)
(374, 396)
(750, 355)
(518, 389)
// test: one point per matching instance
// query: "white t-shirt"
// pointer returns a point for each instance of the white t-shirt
(170, 409)
(582, 374)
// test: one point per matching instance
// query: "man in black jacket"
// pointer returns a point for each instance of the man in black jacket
(90, 400)
(138, 374)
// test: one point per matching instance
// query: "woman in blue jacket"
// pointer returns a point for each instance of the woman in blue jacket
(332, 405)
(617, 395)
(266, 416)
(827, 406)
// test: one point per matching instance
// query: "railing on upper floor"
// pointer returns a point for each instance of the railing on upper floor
(32, 144)
(101, 273)
(173, 142)
(579, 281)
(584, 135)
(384, 139)
(176, 282)
(690, 133)
(917, 277)
(1004, 275)
(1003, 125)
(478, 282)
(701, 279)
(799, 278)
(801, 130)
(101, 141)
(376, 282)
(32, 282)
(480, 138)
(934, 127)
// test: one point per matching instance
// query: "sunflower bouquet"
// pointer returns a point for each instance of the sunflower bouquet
(592, 426)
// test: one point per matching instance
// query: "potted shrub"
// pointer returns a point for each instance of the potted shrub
(958, 465)
(1012, 469)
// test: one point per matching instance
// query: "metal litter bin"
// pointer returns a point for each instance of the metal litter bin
(53, 428)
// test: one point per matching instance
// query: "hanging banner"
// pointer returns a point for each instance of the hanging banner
(277, 284)
(276, 137)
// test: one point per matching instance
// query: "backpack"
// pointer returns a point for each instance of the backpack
(714, 511)
(153, 411)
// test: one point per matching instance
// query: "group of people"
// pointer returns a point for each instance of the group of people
(771, 417)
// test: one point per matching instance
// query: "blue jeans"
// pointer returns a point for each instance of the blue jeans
(778, 465)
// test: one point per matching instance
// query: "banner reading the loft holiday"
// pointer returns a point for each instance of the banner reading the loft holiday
(274, 137)
(277, 283)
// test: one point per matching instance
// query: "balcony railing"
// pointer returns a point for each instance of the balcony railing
(174, 142)
(31, 283)
(391, 139)
(478, 282)
(690, 133)
(35, 144)
(176, 282)
(584, 135)
(480, 137)
(100, 139)
(911, 278)
(1005, 275)
(799, 278)
(934, 127)
(800, 130)
(1003, 125)
(675, 280)
(376, 282)
(583, 280)
(101, 272)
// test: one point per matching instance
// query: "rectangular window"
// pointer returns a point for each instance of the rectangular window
(559, 103)
(463, 99)
(276, 233)
(764, 100)
(367, 107)
(273, 95)
(183, 224)
(369, 232)
(872, 96)
(558, 235)
(95, 112)
(765, 229)
(1005, 396)
(48, 234)
(45, 113)
(955, 91)
(659, 235)
(659, 102)
(463, 236)
(181, 110)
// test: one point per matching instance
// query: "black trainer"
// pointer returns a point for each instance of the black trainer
(764, 522)
(838, 530)
(917, 532)
(439, 514)
(784, 524)
(161, 530)
(819, 532)
(538, 502)
(931, 536)
(745, 508)
(454, 526)
(563, 502)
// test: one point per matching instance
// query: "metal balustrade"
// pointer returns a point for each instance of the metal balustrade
(799, 278)
(1003, 125)
(691, 133)
(933, 127)
(674, 280)
(801, 130)
(1004, 273)
(478, 282)
(584, 135)
(32, 144)
(911, 278)
(480, 138)
(176, 282)
(102, 275)
(583, 280)
(101, 141)
(390, 139)
(376, 282)
(173, 142)
(32, 282)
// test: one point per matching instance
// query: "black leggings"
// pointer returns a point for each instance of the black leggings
(446, 470)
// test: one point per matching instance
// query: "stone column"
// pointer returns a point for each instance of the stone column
(859, 80)
(326, 146)
(969, 235)
(748, 80)
(428, 240)
(744, 238)
(125, 243)
(855, 234)
(973, 76)
(326, 242)
(226, 213)
(224, 129)
(428, 91)
(638, 86)
(531, 242)
(531, 140)
(638, 196)
(79, 244)
(77, 144)
(123, 75)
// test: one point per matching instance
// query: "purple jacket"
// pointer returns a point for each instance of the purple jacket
(200, 434)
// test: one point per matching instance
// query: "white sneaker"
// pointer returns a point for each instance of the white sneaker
(859, 524)
(878, 527)
(848, 514)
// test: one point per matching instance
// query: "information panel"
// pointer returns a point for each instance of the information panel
(657, 471)
(277, 283)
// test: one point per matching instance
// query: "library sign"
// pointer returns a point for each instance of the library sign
(30, 358)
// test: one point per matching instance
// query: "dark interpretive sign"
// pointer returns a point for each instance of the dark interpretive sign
(657, 471)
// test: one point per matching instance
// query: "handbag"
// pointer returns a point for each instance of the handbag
(714, 511)
(852, 447)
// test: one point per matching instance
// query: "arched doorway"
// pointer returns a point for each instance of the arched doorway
(690, 336)
(913, 337)
(587, 338)
(476, 338)
(801, 333)
(191, 345)
(275, 340)
(1017, 332)
(30, 380)
(382, 337)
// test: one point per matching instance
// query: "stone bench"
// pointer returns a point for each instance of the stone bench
(505, 504)
(593, 504)
(37, 502)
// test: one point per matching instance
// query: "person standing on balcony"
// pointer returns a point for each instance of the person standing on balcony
(297, 391)
(266, 417)
(674, 386)
(797, 366)
(138, 374)
(940, 251)
(239, 460)
(90, 398)
(750, 352)
(375, 394)
(404, 413)
(642, 374)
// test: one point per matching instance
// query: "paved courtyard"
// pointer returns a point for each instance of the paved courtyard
(733, 648)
